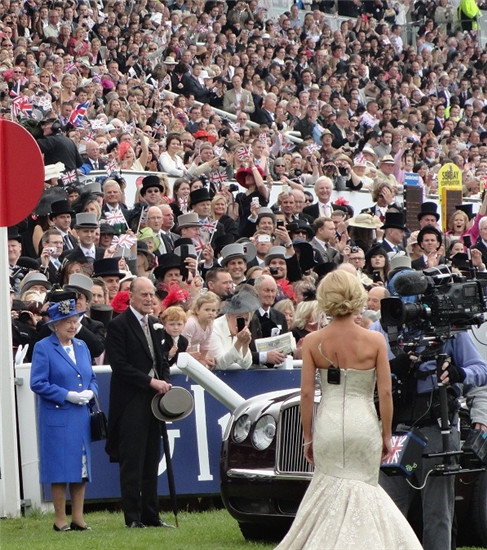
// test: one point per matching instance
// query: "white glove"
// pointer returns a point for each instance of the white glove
(76, 398)
(21, 353)
(88, 394)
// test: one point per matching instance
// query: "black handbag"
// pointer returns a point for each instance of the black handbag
(98, 421)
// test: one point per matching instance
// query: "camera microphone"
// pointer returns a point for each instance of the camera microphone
(411, 283)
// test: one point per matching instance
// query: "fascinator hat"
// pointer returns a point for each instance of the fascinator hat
(244, 301)
(64, 309)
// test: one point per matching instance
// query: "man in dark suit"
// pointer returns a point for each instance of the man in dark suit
(430, 240)
(86, 252)
(265, 114)
(193, 86)
(61, 215)
(339, 129)
(92, 160)
(139, 372)
(324, 206)
(394, 231)
(267, 321)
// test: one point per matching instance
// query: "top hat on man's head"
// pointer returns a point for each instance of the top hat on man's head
(199, 195)
(107, 267)
(429, 209)
(151, 181)
(61, 207)
(394, 220)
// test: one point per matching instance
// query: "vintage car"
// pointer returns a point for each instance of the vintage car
(264, 474)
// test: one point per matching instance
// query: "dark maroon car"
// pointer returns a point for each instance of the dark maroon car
(264, 474)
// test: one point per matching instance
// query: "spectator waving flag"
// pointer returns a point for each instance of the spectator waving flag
(124, 241)
(243, 153)
(22, 105)
(218, 178)
(78, 113)
(209, 225)
(312, 147)
(69, 67)
(69, 177)
(111, 167)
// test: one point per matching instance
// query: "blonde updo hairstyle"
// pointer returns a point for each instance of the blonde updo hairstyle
(340, 293)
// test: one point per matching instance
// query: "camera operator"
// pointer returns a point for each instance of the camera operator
(417, 405)
(56, 147)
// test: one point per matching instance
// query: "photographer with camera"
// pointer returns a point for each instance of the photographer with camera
(417, 395)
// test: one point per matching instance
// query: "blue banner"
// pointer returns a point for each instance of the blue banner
(195, 441)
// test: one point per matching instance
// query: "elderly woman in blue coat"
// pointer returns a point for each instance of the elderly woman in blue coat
(63, 379)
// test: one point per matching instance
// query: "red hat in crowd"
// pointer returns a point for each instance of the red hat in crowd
(243, 171)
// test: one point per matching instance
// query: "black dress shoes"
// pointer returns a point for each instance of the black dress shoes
(63, 528)
(76, 527)
(159, 523)
(136, 525)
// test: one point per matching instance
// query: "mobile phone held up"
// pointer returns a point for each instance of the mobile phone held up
(240, 324)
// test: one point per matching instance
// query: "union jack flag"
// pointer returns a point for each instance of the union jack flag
(114, 217)
(209, 225)
(97, 78)
(218, 177)
(312, 147)
(69, 67)
(235, 126)
(90, 136)
(243, 153)
(124, 241)
(111, 167)
(78, 113)
(183, 204)
(69, 177)
(288, 147)
(21, 105)
(144, 216)
(359, 159)
(263, 138)
(398, 445)
(199, 245)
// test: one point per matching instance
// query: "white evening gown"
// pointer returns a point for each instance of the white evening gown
(344, 507)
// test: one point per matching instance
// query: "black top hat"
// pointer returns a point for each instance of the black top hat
(303, 226)
(102, 313)
(107, 229)
(151, 181)
(61, 207)
(394, 220)
(428, 230)
(460, 260)
(467, 208)
(199, 195)
(13, 234)
(183, 240)
(429, 208)
(167, 262)
(324, 268)
(222, 241)
(107, 267)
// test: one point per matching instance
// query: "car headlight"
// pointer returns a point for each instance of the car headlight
(242, 428)
(264, 432)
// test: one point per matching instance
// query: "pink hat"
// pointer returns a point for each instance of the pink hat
(122, 149)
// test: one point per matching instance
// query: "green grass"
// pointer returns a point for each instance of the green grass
(214, 530)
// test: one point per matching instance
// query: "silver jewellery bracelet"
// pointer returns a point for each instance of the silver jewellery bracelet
(307, 443)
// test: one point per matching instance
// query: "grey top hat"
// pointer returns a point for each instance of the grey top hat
(175, 404)
(80, 283)
(93, 187)
(188, 220)
(86, 221)
(275, 252)
(32, 279)
(246, 251)
(244, 301)
(266, 213)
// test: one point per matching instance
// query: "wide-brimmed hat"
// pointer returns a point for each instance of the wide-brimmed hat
(243, 171)
(387, 159)
(366, 221)
(64, 309)
(175, 404)
(188, 220)
(151, 181)
(107, 229)
(148, 233)
(305, 253)
(467, 208)
(169, 61)
(368, 149)
(429, 209)
(428, 230)
(33, 279)
(199, 195)
(86, 221)
(78, 282)
(142, 248)
(53, 171)
(303, 226)
(107, 267)
(61, 207)
(244, 301)
(246, 251)
(275, 252)
(394, 220)
(167, 262)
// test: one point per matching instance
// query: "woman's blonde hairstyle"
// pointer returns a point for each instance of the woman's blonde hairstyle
(283, 306)
(340, 293)
(304, 312)
(205, 298)
(454, 215)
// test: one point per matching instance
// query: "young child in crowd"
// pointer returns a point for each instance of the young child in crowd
(199, 326)
(173, 318)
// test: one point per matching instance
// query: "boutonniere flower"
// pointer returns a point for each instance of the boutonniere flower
(157, 326)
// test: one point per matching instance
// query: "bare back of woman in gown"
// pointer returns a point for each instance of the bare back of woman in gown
(344, 506)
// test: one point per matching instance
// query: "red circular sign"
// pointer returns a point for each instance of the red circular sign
(21, 173)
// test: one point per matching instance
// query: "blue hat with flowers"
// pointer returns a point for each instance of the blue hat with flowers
(64, 309)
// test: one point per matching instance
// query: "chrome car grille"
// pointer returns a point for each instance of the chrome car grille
(290, 458)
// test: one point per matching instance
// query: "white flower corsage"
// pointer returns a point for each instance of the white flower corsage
(157, 326)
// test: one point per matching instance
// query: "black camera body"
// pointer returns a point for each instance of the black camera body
(222, 162)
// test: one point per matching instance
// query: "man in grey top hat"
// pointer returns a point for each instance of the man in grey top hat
(86, 252)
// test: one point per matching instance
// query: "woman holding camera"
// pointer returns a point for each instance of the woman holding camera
(64, 381)
(344, 506)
